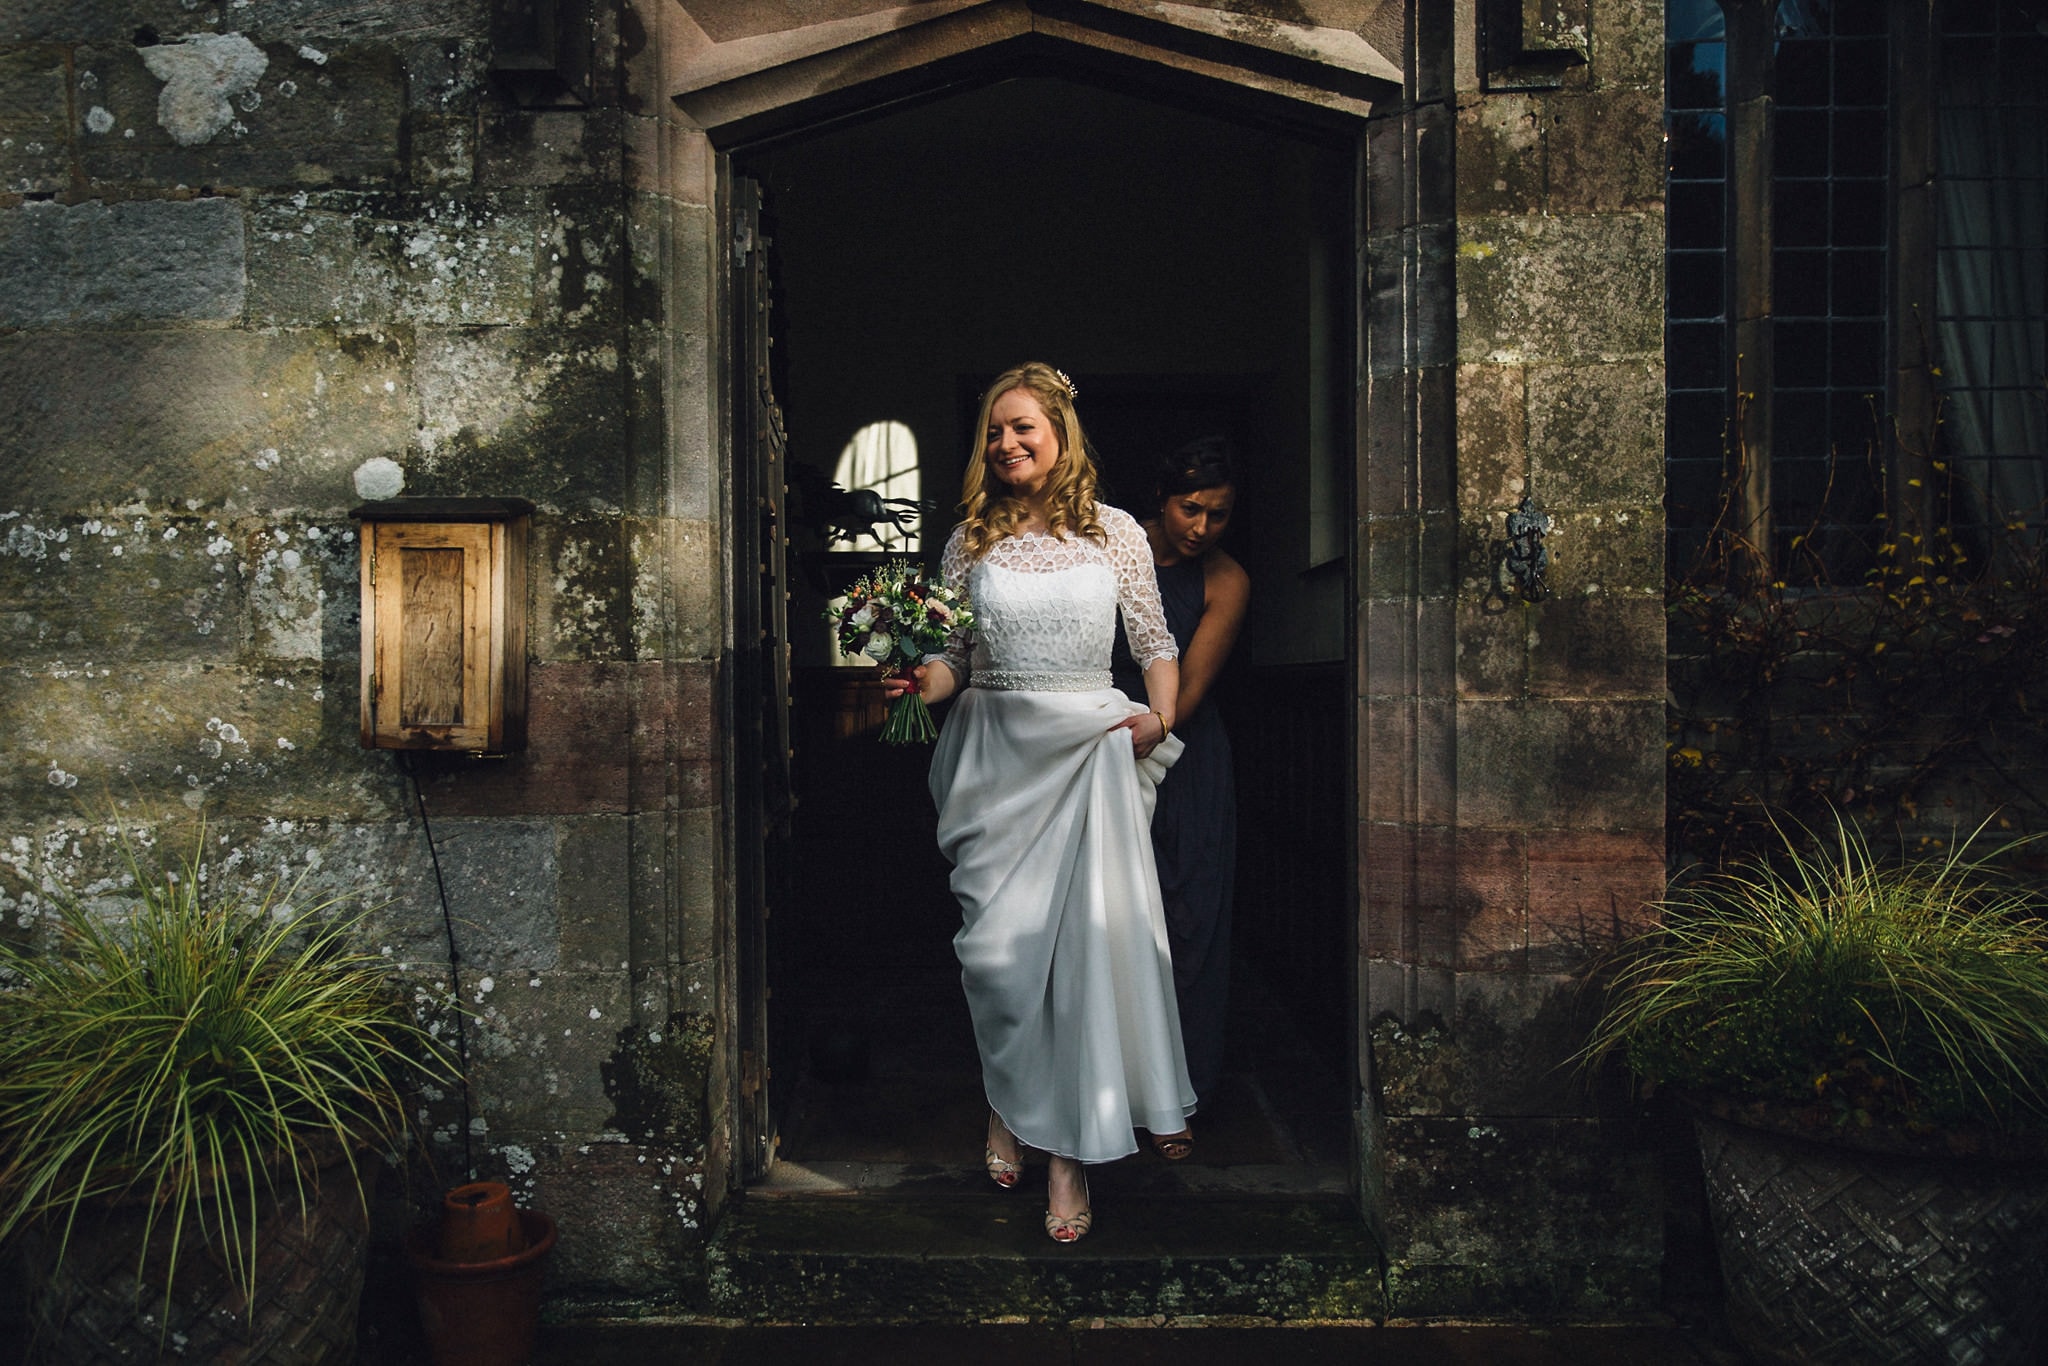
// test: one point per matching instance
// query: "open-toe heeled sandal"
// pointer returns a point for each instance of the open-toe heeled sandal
(1001, 1170)
(1071, 1230)
(1174, 1147)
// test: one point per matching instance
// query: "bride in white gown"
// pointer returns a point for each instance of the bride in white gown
(1044, 776)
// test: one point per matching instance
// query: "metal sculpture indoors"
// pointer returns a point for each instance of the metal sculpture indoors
(839, 514)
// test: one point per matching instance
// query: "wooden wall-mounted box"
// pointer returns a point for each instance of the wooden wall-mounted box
(444, 624)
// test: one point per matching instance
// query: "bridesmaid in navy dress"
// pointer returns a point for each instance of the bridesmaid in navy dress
(1194, 831)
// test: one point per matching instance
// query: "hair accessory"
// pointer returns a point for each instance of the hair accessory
(1073, 389)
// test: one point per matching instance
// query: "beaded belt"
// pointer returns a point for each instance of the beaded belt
(1031, 680)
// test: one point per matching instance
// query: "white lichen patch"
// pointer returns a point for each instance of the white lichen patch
(379, 477)
(201, 72)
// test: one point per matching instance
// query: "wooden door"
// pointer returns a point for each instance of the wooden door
(763, 789)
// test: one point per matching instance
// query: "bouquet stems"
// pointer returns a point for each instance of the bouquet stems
(910, 720)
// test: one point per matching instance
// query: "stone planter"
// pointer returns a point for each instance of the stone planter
(1840, 1254)
(93, 1309)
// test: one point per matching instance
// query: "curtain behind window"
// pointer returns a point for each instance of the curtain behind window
(1992, 262)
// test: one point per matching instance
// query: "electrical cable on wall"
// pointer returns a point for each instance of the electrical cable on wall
(405, 760)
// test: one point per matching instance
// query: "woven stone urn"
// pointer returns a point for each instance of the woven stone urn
(104, 1303)
(1834, 1253)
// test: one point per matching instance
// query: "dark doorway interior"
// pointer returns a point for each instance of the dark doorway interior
(1185, 270)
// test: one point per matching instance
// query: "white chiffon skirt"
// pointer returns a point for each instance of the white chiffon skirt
(1046, 819)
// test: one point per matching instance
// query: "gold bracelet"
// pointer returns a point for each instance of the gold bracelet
(1164, 728)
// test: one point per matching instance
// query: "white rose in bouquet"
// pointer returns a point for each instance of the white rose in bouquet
(878, 647)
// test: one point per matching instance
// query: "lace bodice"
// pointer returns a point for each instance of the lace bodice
(1045, 606)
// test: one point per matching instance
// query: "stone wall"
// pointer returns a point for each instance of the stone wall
(1513, 808)
(262, 259)
(259, 261)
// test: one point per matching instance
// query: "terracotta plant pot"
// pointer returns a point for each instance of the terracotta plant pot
(479, 1224)
(482, 1313)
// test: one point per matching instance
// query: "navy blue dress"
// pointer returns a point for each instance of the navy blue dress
(1194, 840)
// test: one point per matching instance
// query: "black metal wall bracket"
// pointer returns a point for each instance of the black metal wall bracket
(1521, 560)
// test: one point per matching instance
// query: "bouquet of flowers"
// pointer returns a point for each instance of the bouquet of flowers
(895, 617)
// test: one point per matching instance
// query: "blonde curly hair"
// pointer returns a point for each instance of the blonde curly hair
(991, 513)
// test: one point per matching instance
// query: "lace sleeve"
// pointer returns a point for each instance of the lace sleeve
(1137, 588)
(954, 565)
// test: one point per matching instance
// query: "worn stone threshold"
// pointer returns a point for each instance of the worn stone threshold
(1276, 1179)
(876, 1243)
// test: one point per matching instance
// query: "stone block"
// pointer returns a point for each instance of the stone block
(1615, 550)
(1391, 648)
(576, 760)
(1596, 434)
(1405, 991)
(545, 147)
(1602, 645)
(1587, 287)
(1493, 435)
(1490, 904)
(82, 594)
(695, 877)
(1589, 889)
(1435, 52)
(1519, 1220)
(1387, 302)
(595, 856)
(361, 260)
(522, 411)
(1420, 787)
(590, 724)
(218, 109)
(1434, 300)
(97, 265)
(449, 76)
(1628, 43)
(1507, 1049)
(1436, 447)
(230, 739)
(583, 264)
(35, 144)
(96, 20)
(582, 605)
(209, 417)
(1561, 765)
(1493, 648)
(1388, 140)
(503, 879)
(667, 159)
(1437, 165)
(1389, 488)
(305, 597)
(1391, 549)
(678, 603)
(441, 150)
(1500, 155)
(632, 1216)
(539, 1043)
(1604, 151)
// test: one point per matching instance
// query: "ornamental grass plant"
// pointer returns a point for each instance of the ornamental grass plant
(1844, 989)
(197, 1051)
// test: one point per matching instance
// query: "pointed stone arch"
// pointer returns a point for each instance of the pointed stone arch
(743, 71)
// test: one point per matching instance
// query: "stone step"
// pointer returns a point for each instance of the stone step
(946, 1249)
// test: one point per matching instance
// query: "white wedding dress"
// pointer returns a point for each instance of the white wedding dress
(1045, 817)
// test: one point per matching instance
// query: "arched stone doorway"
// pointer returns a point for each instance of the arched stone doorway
(815, 114)
(1182, 268)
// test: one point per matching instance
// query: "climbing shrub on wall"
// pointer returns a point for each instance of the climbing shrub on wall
(1916, 698)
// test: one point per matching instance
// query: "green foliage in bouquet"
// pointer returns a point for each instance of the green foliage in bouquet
(1907, 994)
(198, 1052)
(896, 617)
